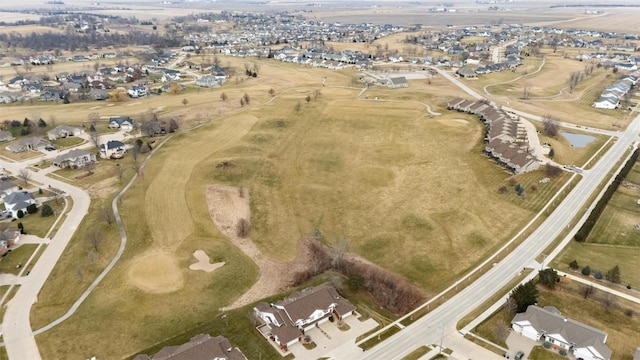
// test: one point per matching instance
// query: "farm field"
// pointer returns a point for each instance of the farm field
(568, 299)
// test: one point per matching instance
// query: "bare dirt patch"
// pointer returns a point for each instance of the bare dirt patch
(203, 262)
(226, 208)
(156, 272)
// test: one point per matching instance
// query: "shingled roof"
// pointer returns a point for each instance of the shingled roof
(552, 322)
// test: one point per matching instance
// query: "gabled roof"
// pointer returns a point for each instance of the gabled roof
(577, 333)
(301, 304)
(112, 144)
(63, 128)
(71, 155)
(201, 347)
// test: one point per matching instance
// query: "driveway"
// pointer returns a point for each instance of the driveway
(517, 342)
(328, 337)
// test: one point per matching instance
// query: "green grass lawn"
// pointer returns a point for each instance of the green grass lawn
(19, 255)
(38, 225)
(417, 353)
(540, 353)
(67, 142)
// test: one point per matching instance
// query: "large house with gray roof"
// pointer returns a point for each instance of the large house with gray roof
(286, 321)
(18, 201)
(200, 347)
(32, 143)
(76, 158)
(548, 325)
(63, 131)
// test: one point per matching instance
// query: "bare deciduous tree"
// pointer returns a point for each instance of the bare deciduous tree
(338, 253)
(501, 330)
(119, 172)
(297, 107)
(608, 301)
(223, 97)
(551, 126)
(587, 291)
(243, 228)
(94, 138)
(24, 175)
(107, 215)
(94, 239)
(526, 91)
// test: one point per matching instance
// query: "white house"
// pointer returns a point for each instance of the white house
(121, 122)
(18, 201)
(397, 82)
(63, 131)
(137, 91)
(76, 158)
(113, 149)
(549, 325)
(606, 103)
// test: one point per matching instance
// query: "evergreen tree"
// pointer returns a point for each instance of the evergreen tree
(613, 275)
(524, 295)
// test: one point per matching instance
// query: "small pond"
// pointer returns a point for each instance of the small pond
(578, 140)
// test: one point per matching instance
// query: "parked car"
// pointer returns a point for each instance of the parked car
(519, 355)
(50, 148)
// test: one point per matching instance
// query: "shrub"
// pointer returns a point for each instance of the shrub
(32, 209)
(598, 275)
(20, 214)
(629, 312)
(562, 352)
(586, 270)
(503, 189)
(533, 187)
(546, 345)
(574, 265)
(629, 286)
(39, 191)
(512, 181)
(46, 210)
(21, 228)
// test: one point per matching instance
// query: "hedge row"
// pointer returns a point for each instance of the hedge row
(588, 225)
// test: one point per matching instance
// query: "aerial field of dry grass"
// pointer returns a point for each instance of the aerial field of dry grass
(409, 190)
(549, 89)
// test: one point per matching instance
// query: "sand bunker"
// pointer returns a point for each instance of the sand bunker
(156, 272)
(203, 262)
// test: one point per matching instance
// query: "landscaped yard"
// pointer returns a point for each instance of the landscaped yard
(38, 225)
(540, 353)
(19, 256)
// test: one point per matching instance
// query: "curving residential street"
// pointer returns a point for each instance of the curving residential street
(16, 327)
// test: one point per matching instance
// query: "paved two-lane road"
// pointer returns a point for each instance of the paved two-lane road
(426, 330)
